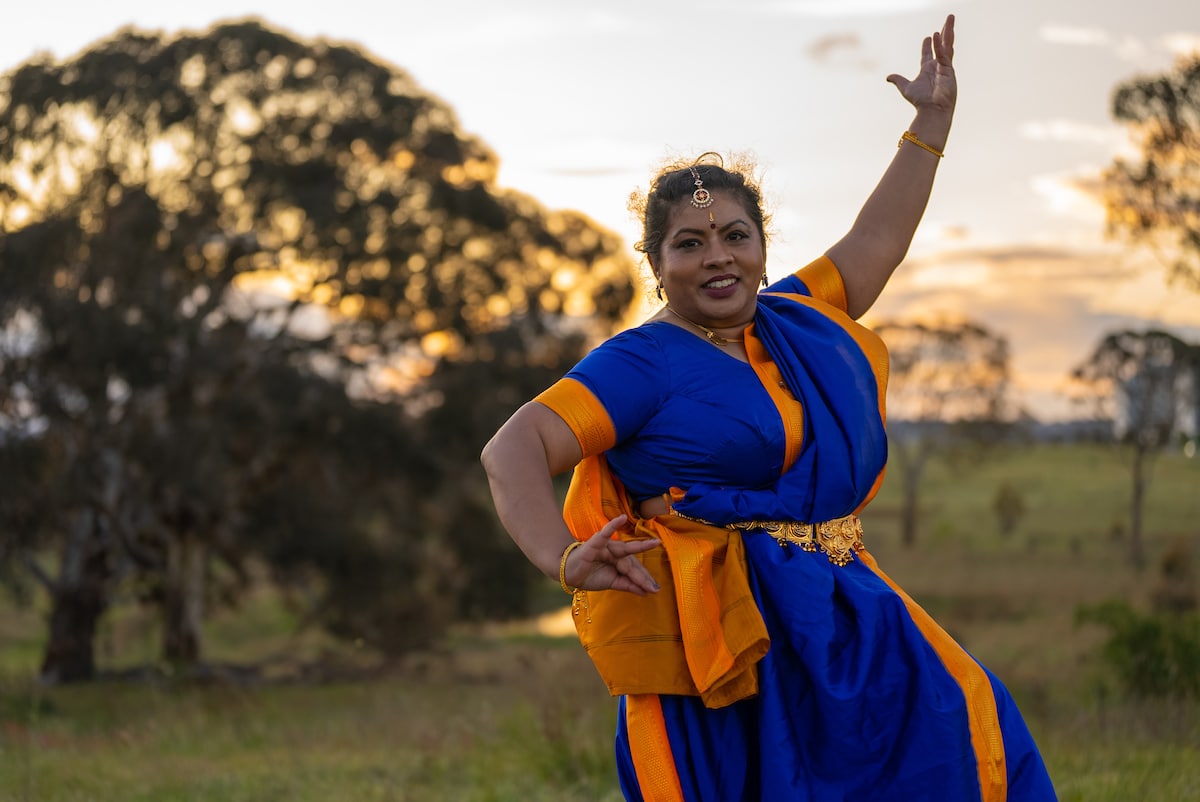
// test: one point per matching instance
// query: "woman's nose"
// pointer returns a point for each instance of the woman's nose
(717, 254)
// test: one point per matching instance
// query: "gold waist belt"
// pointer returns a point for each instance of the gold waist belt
(837, 539)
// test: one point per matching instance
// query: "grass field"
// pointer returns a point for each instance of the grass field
(505, 714)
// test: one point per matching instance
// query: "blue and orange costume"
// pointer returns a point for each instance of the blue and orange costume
(777, 662)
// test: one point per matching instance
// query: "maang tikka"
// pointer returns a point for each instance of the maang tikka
(701, 197)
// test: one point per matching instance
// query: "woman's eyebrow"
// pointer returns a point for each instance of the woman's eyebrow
(728, 225)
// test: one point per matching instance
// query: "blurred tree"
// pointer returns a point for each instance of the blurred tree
(947, 395)
(1155, 197)
(1148, 384)
(1009, 506)
(262, 297)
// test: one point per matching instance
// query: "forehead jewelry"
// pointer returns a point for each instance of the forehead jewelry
(701, 197)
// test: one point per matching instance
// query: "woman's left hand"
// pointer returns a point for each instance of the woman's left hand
(935, 86)
(603, 563)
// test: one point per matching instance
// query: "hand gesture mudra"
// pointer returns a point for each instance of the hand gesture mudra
(603, 563)
(935, 86)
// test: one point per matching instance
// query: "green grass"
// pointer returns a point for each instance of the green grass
(509, 721)
(499, 715)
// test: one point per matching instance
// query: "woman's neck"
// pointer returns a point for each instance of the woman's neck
(711, 335)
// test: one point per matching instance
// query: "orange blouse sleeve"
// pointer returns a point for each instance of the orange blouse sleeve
(824, 281)
(572, 401)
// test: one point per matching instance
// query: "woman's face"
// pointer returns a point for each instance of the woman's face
(711, 270)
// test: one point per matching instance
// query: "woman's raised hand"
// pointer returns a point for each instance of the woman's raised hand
(603, 563)
(935, 86)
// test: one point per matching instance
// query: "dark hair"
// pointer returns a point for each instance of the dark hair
(676, 183)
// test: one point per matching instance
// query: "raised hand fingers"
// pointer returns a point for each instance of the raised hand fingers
(943, 42)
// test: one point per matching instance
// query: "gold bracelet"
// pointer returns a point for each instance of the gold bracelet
(909, 136)
(562, 568)
(579, 599)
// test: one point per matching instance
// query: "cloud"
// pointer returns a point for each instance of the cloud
(602, 21)
(827, 47)
(599, 171)
(848, 8)
(839, 49)
(1070, 35)
(1053, 304)
(1071, 195)
(1127, 48)
(1183, 45)
(1069, 131)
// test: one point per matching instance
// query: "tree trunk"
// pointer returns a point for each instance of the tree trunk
(911, 458)
(79, 598)
(183, 604)
(909, 510)
(1137, 549)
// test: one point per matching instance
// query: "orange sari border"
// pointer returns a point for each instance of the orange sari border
(790, 410)
(982, 717)
(650, 748)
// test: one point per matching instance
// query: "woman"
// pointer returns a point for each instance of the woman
(721, 450)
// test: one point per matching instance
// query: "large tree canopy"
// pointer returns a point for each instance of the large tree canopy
(262, 296)
(1154, 198)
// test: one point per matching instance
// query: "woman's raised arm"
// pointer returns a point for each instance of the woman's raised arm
(884, 228)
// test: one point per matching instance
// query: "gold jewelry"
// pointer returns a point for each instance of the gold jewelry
(578, 595)
(713, 337)
(658, 291)
(562, 567)
(909, 136)
(838, 539)
(701, 197)
(764, 278)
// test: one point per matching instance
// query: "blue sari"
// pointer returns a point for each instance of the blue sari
(860, 695)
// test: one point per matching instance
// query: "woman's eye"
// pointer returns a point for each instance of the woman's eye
(737, 235)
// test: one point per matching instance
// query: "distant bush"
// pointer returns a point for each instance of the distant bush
(1009, 506)
(1152, 654)
(1177, 590)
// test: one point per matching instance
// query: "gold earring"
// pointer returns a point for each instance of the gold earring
(764, 279)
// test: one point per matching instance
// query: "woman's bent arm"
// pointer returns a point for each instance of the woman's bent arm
(521, 460)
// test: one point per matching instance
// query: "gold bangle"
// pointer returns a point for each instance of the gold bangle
(909, 136)
(562, 567)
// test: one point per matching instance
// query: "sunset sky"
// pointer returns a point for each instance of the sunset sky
(582, 101)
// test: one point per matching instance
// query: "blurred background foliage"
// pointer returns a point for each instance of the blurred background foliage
(261, 299)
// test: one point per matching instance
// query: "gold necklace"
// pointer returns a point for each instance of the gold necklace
(713, 337)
